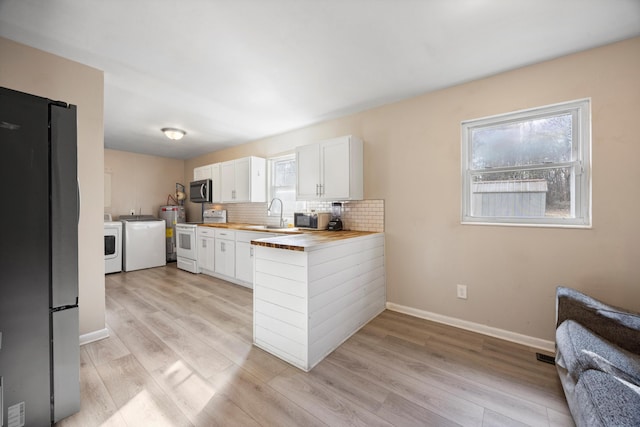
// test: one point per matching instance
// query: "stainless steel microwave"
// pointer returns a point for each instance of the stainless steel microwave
(200, 191)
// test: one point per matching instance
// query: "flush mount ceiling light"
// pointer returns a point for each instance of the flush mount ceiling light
(173, 133)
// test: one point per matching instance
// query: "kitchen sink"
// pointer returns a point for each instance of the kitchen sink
(274, 228)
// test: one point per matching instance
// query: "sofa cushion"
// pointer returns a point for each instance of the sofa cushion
(606, 401)
(620, 326)
(580, 349)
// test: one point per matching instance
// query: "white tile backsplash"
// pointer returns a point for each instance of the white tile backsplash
(362, 215)
(248, 213)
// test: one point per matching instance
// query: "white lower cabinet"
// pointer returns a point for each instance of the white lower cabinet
(244, 263)
(307, 303)
(225, 253)
(244, 255)
(228, 254)
(206, 249)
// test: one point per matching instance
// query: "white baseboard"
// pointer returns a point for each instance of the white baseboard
(538, 343)
(94, 336)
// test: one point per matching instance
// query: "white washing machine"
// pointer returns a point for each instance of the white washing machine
(112, 246)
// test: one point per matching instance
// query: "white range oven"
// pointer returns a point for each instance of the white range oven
(187, 258)
(186, 234)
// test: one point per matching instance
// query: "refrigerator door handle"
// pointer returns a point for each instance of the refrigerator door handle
(79, 200)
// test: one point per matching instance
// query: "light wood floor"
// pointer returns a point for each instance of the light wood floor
(180, 354)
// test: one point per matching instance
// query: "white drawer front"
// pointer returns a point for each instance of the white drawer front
(188, 265)
(225, 234)
(206, 231)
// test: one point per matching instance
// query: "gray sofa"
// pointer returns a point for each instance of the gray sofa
(598, 360)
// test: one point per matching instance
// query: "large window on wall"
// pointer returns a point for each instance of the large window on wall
(530, 167)
(282, 184)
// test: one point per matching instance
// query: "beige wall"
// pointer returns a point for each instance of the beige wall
(412, 161)
(140, 181)
(34, 71)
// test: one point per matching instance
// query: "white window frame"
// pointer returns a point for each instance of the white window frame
(580, 163)
(289, 207)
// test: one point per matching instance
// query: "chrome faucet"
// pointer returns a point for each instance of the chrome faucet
(281, 210)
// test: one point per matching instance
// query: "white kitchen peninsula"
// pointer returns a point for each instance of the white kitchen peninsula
(313, 291)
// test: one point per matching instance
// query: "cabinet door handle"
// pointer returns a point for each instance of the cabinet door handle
(222, 246)
(204, 243)
(251, 252)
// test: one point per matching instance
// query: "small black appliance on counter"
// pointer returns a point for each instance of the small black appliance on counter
(335, 224)
(313, 220)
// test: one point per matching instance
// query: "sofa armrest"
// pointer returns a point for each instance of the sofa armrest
(618, 326)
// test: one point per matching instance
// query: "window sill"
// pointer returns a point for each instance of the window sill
(528, 225)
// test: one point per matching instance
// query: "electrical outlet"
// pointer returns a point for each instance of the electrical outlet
(132, 211)
(462, 291)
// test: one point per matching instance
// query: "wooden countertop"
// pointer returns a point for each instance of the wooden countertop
(250, 227)
(298, 240)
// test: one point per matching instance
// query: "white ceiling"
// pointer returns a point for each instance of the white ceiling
(231, 71)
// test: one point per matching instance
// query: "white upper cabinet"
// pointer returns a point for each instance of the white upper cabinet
(227, 181)
(216, 190)
(202, 172)
(330, 170)
(308, 172)
(243, 180)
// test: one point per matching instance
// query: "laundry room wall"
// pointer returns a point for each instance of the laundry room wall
(139, 182)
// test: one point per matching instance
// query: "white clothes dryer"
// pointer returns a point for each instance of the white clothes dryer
(112, 246)
(143, 242)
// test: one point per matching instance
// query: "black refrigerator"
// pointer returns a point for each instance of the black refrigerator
(39, 333)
